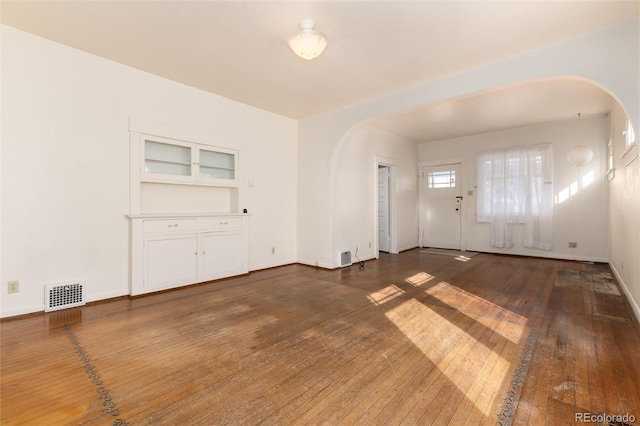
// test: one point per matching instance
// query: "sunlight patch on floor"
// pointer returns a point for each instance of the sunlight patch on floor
(419, 279)
(386, 294)
(509, 325)
(458, 355)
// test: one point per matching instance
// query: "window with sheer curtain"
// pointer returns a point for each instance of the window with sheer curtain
(516, 186)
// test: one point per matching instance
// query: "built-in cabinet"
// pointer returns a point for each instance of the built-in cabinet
(169, 252)
(170, 174)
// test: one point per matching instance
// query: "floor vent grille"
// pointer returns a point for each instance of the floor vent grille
(345, 258)
(63, 295)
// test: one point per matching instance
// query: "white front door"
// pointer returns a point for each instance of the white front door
(383, 209)
(442, 206)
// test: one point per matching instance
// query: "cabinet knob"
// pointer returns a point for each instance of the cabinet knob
(202, 252)
(223, 223)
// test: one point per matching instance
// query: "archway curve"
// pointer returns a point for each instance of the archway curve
(507, 88)
(501, 90)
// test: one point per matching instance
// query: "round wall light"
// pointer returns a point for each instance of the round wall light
(579, 155)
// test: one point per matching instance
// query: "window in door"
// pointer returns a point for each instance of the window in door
(441, 179)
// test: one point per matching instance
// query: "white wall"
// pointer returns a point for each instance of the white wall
(356, 191)
(624, 214)
(65, 166)
(610, 57)
(65, 153)
(579, 215)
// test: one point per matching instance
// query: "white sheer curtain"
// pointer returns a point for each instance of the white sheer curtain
(516, 186)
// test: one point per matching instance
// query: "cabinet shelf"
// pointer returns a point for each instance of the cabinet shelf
(216, 167)
(157, 160)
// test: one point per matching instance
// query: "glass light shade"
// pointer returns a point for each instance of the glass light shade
(307, 42)
(579, 155)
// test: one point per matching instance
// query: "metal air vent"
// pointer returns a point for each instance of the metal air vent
(63, 295)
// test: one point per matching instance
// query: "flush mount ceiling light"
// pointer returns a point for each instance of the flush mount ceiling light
(307, 42)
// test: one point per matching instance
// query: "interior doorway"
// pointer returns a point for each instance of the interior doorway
(384, 228)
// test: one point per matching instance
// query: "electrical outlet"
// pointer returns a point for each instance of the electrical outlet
(13, 286)
(369, 244)
(273, 250)
(573, 244)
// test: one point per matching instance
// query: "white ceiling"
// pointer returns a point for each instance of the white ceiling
(516, 106)
(237, 49)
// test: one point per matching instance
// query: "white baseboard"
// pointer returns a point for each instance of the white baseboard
(634, 304)
(32, 309)
(107, 295)
(541, 254)
(21, 310)
(271, 265)
(408, 247)
(317, 263)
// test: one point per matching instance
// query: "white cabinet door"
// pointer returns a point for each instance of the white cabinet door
(167, 161)
(217, 166)
(221, 254)
(170, 260)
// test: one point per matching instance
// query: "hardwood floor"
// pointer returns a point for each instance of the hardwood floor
(414, 338)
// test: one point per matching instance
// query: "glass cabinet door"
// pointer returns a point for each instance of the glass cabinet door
(167, 159)
(217, 165)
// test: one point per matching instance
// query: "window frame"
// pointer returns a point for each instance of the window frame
(431, 181)
(515, 186)
(630, 142)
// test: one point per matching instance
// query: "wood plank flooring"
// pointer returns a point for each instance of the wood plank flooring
(412, 339)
